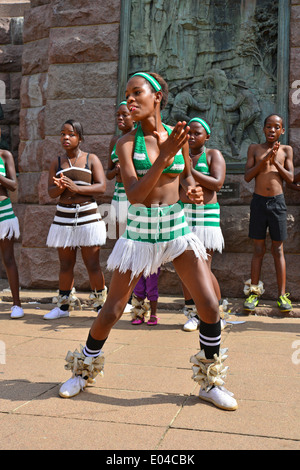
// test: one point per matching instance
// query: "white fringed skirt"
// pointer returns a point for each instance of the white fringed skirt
(204, 221)
(9, 223)
(119, 204)
(153, 236)
(77, 225)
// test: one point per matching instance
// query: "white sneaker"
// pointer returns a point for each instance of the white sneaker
(72, 387)
(223, 324)
(56, 313)
(128, 308)
(192, 324)
(16, 312)
(220, 397)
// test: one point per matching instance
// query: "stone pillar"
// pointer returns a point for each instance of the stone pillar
(70, 63)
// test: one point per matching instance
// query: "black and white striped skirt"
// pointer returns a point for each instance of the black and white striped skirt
(77, 225)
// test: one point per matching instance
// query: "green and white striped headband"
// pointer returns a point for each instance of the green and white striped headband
(150, 79)
(203, 123)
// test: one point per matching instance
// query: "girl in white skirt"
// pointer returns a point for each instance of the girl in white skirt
(76, 177)
(119, 204)
(154, 161)
(9, 228)
(209, 170)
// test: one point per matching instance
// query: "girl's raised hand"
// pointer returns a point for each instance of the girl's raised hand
(175, 141)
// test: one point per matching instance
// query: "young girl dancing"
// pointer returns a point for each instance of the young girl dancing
(119, 202)
(9, 228)
(154, 161)
(209, 170)
(76, 177)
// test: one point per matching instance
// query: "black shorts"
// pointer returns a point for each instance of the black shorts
(268, 212)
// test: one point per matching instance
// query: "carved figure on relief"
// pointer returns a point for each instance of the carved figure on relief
(228, 105)
(249, 112)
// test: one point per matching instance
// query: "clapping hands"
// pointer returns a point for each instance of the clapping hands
(195, 194)
(63, 182)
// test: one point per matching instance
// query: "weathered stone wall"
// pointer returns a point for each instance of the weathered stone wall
(70, 65)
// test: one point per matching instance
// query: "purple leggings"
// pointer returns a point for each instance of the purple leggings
(147, 287)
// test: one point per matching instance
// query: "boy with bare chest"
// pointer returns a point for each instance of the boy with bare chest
(270, 164)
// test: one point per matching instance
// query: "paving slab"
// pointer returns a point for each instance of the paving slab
(146, 399)
(200, 440)
(23, 432)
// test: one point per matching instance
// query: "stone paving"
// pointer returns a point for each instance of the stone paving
(147, 400)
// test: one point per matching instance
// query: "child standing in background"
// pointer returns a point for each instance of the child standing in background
(76, 177)
(9, 228)
(119, 204)
(270, 164)
(143, 310)
(208, 170)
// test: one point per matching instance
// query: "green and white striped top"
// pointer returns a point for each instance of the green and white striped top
(142, 161)
(119, 192)
(2, 167)
(202, 165)
(207, 215)
(114, 157)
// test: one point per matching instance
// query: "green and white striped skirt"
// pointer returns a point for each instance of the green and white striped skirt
(9, 223)
(119, 204)
(204, 221)
(153, 236)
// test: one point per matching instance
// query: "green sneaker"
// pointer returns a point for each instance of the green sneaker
(251, 302)
(284, 303)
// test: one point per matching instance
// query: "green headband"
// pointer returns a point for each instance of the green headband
(122, 102)
(150, 79)
(203, 123)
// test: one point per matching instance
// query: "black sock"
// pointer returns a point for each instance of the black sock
(64, 307)
(189, 302)
(210, 338)
(93, 346)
